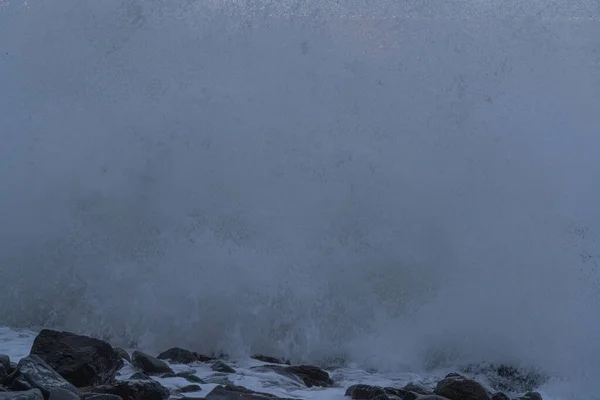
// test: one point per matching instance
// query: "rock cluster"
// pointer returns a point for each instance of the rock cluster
(67, 366)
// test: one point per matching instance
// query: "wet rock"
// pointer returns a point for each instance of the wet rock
(178, 355)
(33, 394)
(100, 396)
(415, 387)
(189, 388)
(364, 392)
(270, 360)
(5, 363)
(3, 371)
(203, 357)
(232, 392)
(499, 396)
(81, 360)
(62, 394)
(134, 390)
(531, 396)
(123, 354)
(432, 397)
(189, 376)
(34, 373)
(457, 387)
(308, 374)
(140, 376)
(411, 396)
(149, 364)
(220, 366)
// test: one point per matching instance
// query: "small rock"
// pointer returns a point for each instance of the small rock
(178, 355)
(81, 360)
(33, 394)
(457, 387)
(220, 366)
(149, 364)
(134, 390)
(140, 376)
(34, 373)
(270, 360)
(203, 357)
(123, 354)
(189, 388)
(62, 394)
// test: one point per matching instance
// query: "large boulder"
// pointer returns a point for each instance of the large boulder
(82, 360)
(134, 390)
(33, 394)
(149, 364)
(457, 387)
(34, 373)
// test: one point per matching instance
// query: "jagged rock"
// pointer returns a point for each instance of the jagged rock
(499, 396)
(123, 354)
(100, 396)
(270, 360)
(178, 355)
(62, 394)
(81, 360)
(140, 376)
(457, 387)
(149, 364)
(232, 392)
(34, 373)
(531, 396)
(134, 390)
(33, 394)
(364, 392)
(220, 366)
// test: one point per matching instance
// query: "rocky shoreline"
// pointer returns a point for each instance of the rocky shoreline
(67, 366)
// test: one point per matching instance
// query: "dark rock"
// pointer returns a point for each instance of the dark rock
(189, 388)
(220, 366)
(134, 390)
(62, 394)
(308, 374)
(231, 392)
(140, 376)
(499, 396)
(364, 392)
(189, 376)
(270, 360)
(81, 360)
(5, 362)
(149, 364)
(457, 387)
(203, 357)
(178, 355)
(508, 378)
(13, 367)
(123, 354)
(383, 397)
(3, 371)
(531, 396)
(411, 396)
(100, 396)
(33, 394)
(432, 397)
(34, 373)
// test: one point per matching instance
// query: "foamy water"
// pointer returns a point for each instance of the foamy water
(404, 186)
